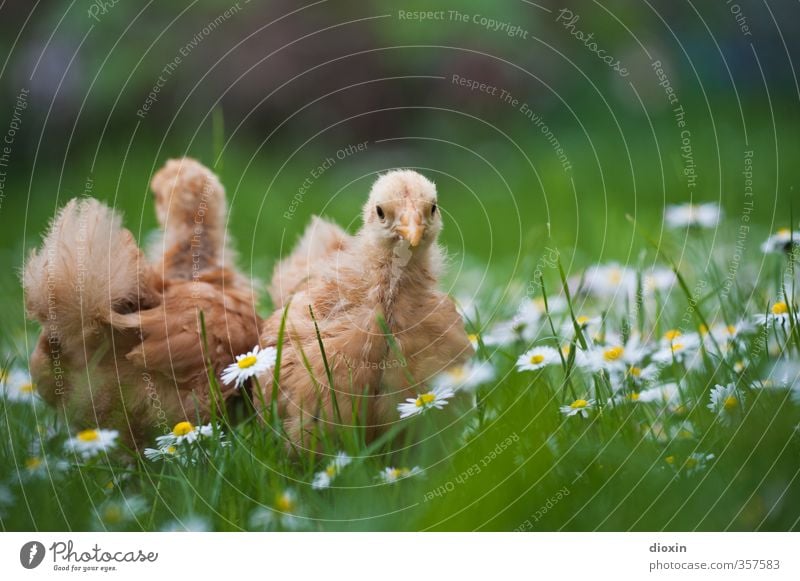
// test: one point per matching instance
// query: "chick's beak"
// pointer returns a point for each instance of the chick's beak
(410, 226)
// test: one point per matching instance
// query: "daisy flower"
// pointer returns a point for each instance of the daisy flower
(184, 432)
(436, 398)
(324, 478)
(537, 358)
(778, 313)
(579, 406)
(606, 281)
(781, 241)
(282, 514)
(251, 363)
(113, 513)
(677, 346)
(191, 524)
(589, 324)
(725, 402)
(503, 333)
(465, 377)
(169, 452)
(659, 279)
(90, 443)
(701, 215)
(666, 393)
(390, 474)
(17, 386)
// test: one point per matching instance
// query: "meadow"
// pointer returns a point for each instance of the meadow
(635, 372)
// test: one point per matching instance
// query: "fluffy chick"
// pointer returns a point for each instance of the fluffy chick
(387, 272)
(121, 340)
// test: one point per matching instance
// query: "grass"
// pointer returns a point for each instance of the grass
(505, 458)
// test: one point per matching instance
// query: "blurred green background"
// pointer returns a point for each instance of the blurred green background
(291, 85)
(265, 93)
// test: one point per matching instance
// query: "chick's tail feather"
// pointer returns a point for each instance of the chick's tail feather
(88, 268)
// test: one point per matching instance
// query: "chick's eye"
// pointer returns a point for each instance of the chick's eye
(380, 213)
(433, 210)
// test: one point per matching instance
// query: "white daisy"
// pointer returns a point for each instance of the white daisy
(282, 515)
(778, 314)
(169, 452)
(781, 241)
(503, 333)
(90, 443)
(725, 402)
(676, 346)
(537, 358)
(324, 478)
(606, 281)
(254, 362)
(391, 474)
(701, 215)
(113, 513)
(659, 279)
(590, 325)
(667, 393)
(17, 386)
(579, 406)
(436, 398)
(191, 524)
(466, 377)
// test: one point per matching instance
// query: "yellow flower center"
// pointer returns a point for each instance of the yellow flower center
(672, 334)
(425, 399)
(613, 353)
(677, 347)
(284, 502)
(635, 371)
(731, 329)
(27, 388)
(182, 428)
(88, 435)
(780, 308)
(703, 330)
(579, 404)
(582, 320)
(784, 232)
(171, 449)
(730, 403)
(615, 276)
(33, 463)
(670, 459)
(634, 397)
(246, 362)
(473, 338)
(691, 462)
(331, 470)
(537, 358)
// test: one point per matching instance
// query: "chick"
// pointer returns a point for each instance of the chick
(121, 339)
(387, 272)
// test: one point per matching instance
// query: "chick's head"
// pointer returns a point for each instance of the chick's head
(403, 206)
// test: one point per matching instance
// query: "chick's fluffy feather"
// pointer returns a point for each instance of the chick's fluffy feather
(352, 283)
(121, 343)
